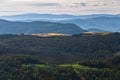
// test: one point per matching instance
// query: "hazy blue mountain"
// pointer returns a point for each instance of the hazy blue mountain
(103, 23)
(96, 30)
(40, 17)
(52, 17)
(10, 27)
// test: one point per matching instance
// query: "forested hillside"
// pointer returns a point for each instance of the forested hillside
(77, 57)
(64, 49)
(14, 27)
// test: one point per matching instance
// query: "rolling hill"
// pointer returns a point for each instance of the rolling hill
(10, 27)
(104, 23)
(78, 57)
(95, 30)
(64, 49)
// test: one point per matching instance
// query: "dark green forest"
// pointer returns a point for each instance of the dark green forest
(77, 57)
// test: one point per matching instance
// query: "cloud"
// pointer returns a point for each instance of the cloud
(60, 6)
(82, 4)
(96, 5)
(44, 4)
(101, 4)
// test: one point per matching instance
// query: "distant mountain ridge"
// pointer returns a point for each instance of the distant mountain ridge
(36, 17)
(96, 30)
(106, 22)
(53, 17)
(12, 27)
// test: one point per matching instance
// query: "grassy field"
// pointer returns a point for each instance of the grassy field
(35, 65)
(75, 66)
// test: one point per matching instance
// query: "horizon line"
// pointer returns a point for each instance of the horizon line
(60, 14)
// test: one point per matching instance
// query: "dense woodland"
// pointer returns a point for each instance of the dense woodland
(62, 49)
(77, 57)
(26, 67)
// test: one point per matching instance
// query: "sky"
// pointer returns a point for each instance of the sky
(75, 7)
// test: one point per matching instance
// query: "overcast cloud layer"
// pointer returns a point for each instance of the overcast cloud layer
(78, 7)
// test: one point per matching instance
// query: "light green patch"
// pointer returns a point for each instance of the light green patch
(35, 65)
(117, 54)
(77, 66)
